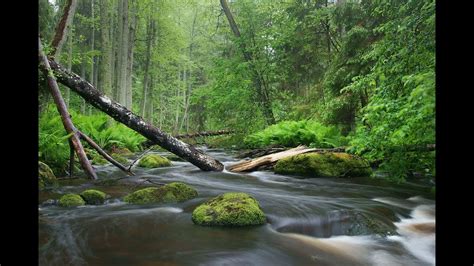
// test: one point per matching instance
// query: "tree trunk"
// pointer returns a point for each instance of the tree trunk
(62, 27)
(131, 120)
(65, 116)
(105, 84)
(123, 55)
(150, 36)
(69, 66)
(262, 91)
(250, 165)
(131, 42)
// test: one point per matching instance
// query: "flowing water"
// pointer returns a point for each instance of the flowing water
(316, 221)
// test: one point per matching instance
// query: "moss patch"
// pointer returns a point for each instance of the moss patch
(46, 176)
(229, 209)
(174, 157)
(119, 158)
(93, 197)
(172, 192)
(154, 161)
(323, 165)
(71, 200)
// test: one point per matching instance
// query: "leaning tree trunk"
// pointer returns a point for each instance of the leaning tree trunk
(62, 27)
(65, 116)
(133, 121)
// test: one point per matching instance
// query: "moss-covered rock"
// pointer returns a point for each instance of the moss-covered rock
(122, 151)
(46, 176)
(323, 165)
(154, 161)
(71, 200)
(99, 160)
(172, 192)
(229, 209)
(174, 157)
(93, 197)
(119, 158)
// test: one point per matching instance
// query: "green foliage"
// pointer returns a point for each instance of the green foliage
(229, 209)
(401, 111)
(294, 133)
(53, 141)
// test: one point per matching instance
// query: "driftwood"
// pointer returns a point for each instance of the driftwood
(133, 121)
(251, 165)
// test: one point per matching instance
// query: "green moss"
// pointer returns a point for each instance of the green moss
(122, 151)
(229, 209)
(323, 165)
(99, 160)
(119, 158)
(173, 192)
(93, 197)
(174, 157)
(154, 161)
(181, 191)
(46, 176)
(71, 200)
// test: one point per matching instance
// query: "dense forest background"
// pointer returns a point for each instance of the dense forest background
(358, 74)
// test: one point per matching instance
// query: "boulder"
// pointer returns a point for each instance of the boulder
(229, 209)
(154, 161)
(119, 158)
(46, 176)
(93, 197)
(329, 164)
(71, 200)
(172, 192)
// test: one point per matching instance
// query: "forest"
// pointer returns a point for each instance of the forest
(176, 102)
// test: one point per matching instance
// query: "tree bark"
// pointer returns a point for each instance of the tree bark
(65, 116)
(62, 27)
(123, 55)
(105, 81)
(250, 165)
(131, 120)
(69, 66)
(131, 42)
(150, 36)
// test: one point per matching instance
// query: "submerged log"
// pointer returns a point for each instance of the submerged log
(251, 165)
(133, 121)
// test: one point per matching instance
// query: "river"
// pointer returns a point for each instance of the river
(315, 221)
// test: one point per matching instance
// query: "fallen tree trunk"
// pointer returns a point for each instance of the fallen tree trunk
(250, 165)
(65, 116)
(133, 121)
(264, 151)
(205, 134)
